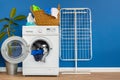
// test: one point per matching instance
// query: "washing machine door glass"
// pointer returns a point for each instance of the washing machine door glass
(40, 48)
(14, 49)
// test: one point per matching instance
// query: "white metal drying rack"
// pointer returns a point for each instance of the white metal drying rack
(76, 36)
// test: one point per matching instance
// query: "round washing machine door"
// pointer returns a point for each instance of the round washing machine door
(14, 49)
(40, 48)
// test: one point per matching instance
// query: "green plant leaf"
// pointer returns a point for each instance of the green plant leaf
(20, 17)
(12, 22)
(2, 34)
(13, 12)
(4, 19)
(15, 24)
(4, 27)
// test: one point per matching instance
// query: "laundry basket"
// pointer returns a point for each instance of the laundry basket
(41, 18)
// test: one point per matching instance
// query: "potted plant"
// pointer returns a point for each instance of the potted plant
(8, 30)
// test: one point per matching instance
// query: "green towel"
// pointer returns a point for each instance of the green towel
(35, 8)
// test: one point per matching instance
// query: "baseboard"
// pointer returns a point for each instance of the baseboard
(90, 69)
(3, 69)
(99, 69)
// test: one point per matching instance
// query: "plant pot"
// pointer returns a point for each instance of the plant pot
(11, 69)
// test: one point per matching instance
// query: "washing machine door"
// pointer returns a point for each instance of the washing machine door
(38, 44)
(14, 49)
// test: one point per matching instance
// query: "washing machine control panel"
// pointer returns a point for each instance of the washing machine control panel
(41, 30)
(47, 30)
(51, 29)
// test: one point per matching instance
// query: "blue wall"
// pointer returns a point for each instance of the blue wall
(105, 27)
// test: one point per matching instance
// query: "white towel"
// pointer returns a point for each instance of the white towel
(54, 12)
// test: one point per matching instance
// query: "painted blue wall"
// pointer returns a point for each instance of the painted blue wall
(105, 27)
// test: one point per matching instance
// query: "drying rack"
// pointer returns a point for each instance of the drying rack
(75, 35)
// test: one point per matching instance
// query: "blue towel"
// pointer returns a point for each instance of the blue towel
(40, 51)
(48, 11)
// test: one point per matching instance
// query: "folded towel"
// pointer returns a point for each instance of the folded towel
(54, 12)
(48, 11)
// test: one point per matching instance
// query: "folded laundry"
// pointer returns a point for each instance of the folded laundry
(35, 8)
(47, 11)
(54, 12)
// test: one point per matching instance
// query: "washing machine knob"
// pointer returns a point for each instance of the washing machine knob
(39, 31)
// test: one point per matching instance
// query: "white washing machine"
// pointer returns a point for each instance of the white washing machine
(43, 44)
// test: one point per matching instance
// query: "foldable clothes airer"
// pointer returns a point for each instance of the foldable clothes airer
(75, 35)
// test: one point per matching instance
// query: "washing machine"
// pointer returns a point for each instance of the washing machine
(43, 55)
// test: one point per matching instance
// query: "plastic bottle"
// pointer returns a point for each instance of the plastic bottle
(30, 20)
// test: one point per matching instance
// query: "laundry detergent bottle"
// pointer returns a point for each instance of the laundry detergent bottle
(30, 20)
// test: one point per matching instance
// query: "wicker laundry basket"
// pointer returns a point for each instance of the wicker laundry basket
(41, 18)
